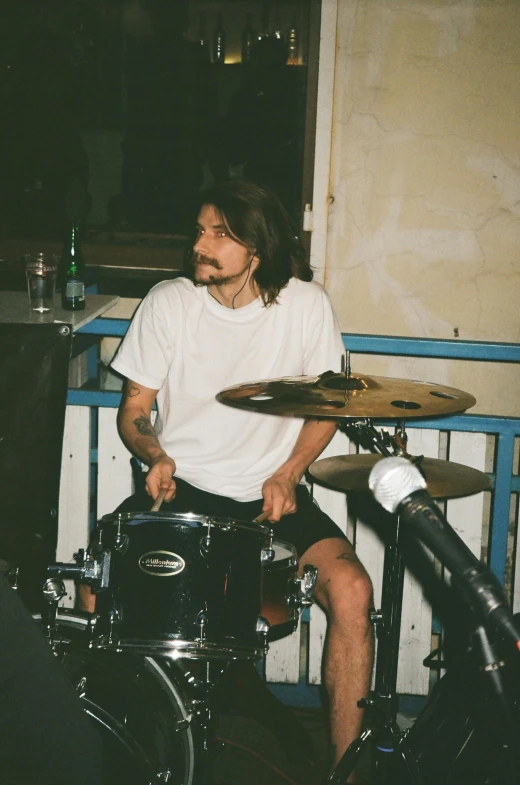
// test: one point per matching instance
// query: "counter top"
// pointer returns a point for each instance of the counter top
(14, 308)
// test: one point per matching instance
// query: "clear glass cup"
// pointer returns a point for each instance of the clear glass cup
(41, 271)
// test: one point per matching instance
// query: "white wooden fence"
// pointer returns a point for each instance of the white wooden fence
(114, 483)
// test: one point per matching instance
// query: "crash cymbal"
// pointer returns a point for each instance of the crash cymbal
(340, 395)
(444, 479)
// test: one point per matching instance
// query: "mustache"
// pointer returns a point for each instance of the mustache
(200, 259)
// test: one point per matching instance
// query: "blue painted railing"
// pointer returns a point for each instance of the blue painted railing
(505, 429)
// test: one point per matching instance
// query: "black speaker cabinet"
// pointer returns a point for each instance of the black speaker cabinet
(34, 361)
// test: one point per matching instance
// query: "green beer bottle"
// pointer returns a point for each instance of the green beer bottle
(73, 273)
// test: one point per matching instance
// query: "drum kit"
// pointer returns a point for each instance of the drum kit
(180, 596)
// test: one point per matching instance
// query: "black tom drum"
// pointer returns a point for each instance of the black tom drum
(182, 585)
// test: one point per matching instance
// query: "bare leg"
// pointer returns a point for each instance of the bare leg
(344, 591)
(86, 599)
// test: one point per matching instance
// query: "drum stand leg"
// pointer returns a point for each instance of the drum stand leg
(391, 748)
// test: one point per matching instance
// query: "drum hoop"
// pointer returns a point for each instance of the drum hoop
(179, 648)
(164, 682)
(189, 519)
(99, 714)
(292, 560)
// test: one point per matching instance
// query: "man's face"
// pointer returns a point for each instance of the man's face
(217, 257)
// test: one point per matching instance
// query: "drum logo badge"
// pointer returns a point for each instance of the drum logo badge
(161, 564)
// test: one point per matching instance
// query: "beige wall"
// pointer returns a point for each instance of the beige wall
(424, 226)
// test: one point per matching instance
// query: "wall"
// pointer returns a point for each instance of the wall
(423, 224)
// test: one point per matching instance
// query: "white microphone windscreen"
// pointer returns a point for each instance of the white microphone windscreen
(392, 480)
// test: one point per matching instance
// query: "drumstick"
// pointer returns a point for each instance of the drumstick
(262, 517)
(157, 503)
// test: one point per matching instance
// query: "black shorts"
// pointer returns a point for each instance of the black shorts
(302, 528)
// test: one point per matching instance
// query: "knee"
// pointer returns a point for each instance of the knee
(349, 596)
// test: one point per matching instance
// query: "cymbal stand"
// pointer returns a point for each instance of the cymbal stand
(383, 732)
(381, 441)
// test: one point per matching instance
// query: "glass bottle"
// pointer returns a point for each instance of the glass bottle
(248, 39)
(219, 42)
(73, 273)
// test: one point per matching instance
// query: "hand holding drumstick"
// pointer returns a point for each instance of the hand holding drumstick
(262, 517)
(279, 492)
(157, 503)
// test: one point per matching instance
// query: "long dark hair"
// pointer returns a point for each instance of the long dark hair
(257, 220)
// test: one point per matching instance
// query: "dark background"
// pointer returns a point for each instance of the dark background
(114, 114)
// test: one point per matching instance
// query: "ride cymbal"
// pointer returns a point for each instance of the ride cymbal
(444, 479)
(340, 395)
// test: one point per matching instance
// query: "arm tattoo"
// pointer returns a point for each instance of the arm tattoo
(145, 427)
(133, 391)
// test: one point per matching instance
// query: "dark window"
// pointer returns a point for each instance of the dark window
(117, 112)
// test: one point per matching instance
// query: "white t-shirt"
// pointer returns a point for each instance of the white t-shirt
(187, 346)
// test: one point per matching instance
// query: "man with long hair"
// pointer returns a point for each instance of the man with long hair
(247, 310)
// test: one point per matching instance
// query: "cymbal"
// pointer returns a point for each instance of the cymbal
(444, 479)
(339, 395)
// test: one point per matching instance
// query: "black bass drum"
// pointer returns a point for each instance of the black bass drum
(461, 736)
(137, 706)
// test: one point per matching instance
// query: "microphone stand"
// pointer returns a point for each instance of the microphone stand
(393, 753)
(493, 667)
(383, 733)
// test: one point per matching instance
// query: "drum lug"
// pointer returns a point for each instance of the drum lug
(91, 626)
(121, 543)
(81, 687)
(205, 542)
(304, 588)
(180, 725)
(205, 545)
(201, 622)
(190, 679)
(115, 615)
(267, 554)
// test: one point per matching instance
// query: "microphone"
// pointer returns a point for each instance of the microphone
(400, 488)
